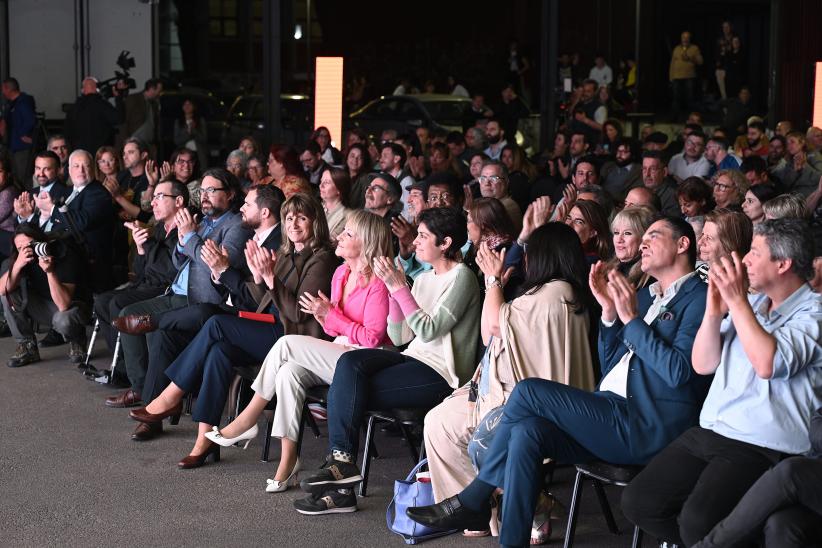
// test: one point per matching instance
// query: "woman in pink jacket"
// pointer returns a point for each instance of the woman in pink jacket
(356, 314)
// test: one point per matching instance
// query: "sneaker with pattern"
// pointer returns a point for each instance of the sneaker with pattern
(332, 501)
(335, 474)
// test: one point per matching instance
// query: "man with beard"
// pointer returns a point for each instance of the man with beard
(132, 181)
(495, 136)
(221, 232)
(46, 174)
(170, 332)
(623, 173)
(589, 112)
(655, 177)
(59, 145)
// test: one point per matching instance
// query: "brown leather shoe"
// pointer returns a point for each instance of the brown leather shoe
(147, 431)
(129, 398)
(141, 415)
(196, 461)
(134, 324)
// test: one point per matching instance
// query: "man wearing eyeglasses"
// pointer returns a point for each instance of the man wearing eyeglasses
(655, 177)
(192, 284)
(493, 181)
(690, 162)
(153, 268)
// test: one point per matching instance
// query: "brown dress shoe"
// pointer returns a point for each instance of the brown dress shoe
(196, 461)
(147, 431)
(141, 415)
(134, 324)
(129, 398)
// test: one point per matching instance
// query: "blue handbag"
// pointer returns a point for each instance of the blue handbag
(408, 493)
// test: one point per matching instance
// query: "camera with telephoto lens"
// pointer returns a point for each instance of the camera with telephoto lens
(55, 249)
(126, 62)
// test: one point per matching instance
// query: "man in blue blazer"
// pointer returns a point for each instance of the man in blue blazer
(649, 393)
(222, 225)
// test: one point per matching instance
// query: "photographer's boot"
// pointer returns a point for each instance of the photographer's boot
(25, 354)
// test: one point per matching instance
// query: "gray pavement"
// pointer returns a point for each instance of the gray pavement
(71, 476)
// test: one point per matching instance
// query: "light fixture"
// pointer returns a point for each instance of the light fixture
(298, 32)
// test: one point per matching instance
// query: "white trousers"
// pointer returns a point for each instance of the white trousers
(293, 365)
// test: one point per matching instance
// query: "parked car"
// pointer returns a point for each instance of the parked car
(210, 106)
(405, 113)
(246, 117)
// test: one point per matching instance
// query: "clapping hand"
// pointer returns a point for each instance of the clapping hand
(317, 306)
(469, 197)
(24, 205)
(598, 281)
(165, 170)
(623, 295)
(186, 223)
(261, 262)
(537, 214)
(729, 278)
(152, 174)
(215, 257)
(392, 276)
(140, 234)
(492, 263)
(112, 186)
(403, 230)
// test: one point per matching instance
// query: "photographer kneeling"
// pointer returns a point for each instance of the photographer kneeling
(45, 284)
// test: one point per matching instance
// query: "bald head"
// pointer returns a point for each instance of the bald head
(89, 85)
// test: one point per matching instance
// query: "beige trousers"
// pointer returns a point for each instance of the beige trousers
(448, 429)
(293, 365)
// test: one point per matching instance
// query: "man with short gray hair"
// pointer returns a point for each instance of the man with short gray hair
(493, 181)
(764, 353)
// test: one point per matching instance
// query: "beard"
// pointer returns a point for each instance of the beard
(251, 224)
(494, 139)
(210, 210)
(623, 163)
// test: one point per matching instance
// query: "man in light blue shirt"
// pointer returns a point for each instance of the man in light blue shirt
(765, 354)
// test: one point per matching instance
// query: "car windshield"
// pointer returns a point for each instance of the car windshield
(446, 113)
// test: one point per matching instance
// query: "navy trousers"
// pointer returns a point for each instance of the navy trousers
(208, 361)
(373, 379)
(548, 419)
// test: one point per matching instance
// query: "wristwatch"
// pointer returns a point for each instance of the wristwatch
(493, 281)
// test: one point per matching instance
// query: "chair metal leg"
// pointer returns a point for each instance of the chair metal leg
(267, 445)
(311, 422)
(366, 456)
(303, 419)
(114, 358)
(410, 442)
(576, 496)
(606, 507)
(637, 540)
(189, 403)
(422, 449)
(87, 362)
(233, 402)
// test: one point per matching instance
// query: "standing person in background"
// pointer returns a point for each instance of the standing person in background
(9, 190)
(601, 72)
(685, 58)
(191, 132)
(17, 128)
(93, 121)
(142, 115)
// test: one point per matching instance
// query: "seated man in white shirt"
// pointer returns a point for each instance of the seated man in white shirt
(691, 162)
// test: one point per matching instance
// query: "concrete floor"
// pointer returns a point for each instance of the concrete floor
(71, 476)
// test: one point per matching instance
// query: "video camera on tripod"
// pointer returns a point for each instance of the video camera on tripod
(126, 62)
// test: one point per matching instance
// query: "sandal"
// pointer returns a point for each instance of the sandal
(541, 526)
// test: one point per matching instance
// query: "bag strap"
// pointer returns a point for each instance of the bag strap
(390, 510)
(416, 469)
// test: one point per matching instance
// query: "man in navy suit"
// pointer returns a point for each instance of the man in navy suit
(47, 175)
(649, 393)
(88, 214)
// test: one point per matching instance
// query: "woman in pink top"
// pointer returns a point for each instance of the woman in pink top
(356, 315)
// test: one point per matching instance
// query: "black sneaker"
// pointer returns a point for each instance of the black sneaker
(334, 501)
(25, 354)
(334, 474)
(52, 338)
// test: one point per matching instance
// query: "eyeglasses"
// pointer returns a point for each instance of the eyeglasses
(721, 187)
(439, 198)
(373, 188)
(212, 190)
(160, 196)
(181, 162)
(493, 179)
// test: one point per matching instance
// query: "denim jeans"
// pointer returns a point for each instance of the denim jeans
(372, 379)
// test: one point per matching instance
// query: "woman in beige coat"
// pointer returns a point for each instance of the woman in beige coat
(542, 333)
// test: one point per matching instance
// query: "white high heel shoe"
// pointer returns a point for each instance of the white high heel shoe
(275, 486)
(222, 441)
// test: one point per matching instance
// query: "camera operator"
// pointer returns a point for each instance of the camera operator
(49, 290)
(93, 121)
(89, 217)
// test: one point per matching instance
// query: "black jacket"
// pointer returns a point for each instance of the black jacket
(236, 280)
(154, 268)
(92, 123)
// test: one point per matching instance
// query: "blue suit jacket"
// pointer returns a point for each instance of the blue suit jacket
(664, 392)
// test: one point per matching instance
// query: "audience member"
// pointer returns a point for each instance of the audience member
(685, 59)
(623, 173)
(798, 174)
(330, 155)
(645, 338)
(601, 73)
(690, 162)
(754, 198)
(435, 318)
(19, 123)
(716, 152)
(520, 174)
(9, 191)
(730, 186)
(495, 135)
(724, 232)
(763, 353)
(655, 177)
(628, 228)
(493, 182)
(335, 187)
(791, 206)
(590, 222)
(313, 163)
(142, 115)
(286, 171)
(695, 197)
(754, 142)
(355, 316)
(643, 196)
(59, 145)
